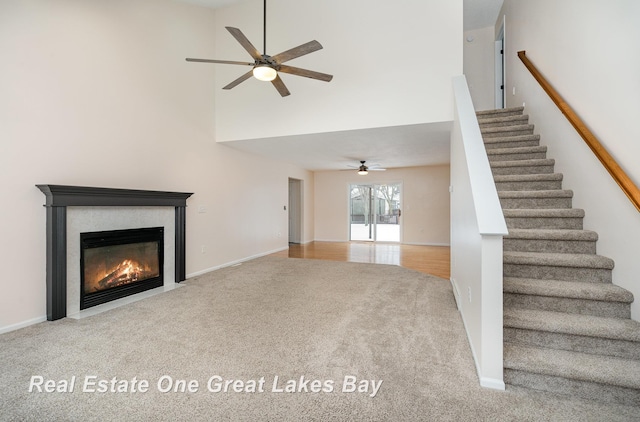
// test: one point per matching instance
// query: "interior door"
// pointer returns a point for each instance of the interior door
(374, 212)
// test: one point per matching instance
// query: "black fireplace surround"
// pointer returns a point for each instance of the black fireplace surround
(59, 197)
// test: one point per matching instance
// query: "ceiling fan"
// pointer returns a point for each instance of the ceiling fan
(363, 170)
(267, 68)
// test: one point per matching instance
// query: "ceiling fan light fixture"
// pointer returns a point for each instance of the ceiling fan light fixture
(264, 73)
(363, 172)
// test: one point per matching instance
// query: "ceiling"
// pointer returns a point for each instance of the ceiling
(391, 147)
(477, 13)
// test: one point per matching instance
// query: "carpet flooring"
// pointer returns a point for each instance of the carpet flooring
(297, 339)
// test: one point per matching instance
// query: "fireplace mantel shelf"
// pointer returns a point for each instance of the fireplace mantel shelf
(66, 196)
(59, 197)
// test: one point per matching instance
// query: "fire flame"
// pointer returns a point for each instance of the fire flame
(126, 272)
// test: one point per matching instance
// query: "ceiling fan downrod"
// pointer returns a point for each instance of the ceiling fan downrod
(264, 28)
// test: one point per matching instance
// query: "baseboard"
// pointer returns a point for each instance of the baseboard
(456, 292)
(492, 383)
(402, 243)
(236, 262)
(426, 244)
(22, 324)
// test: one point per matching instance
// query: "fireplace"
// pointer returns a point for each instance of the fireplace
(119, 263)
(92, 209)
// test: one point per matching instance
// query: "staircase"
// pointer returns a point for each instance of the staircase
(567, 328)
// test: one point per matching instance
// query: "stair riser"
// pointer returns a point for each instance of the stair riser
(516, 156)
(593, 345)
(493, 133)
(544, 223)
(535, 203)
(573, 306)
(521, 120)
(535, 185)
(549, 246)
(511, 170)
(511, 144)
(542, 272)
(584, 389)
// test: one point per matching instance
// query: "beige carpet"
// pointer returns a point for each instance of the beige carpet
(267, 318)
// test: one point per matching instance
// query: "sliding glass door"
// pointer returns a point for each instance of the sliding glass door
(374, 212)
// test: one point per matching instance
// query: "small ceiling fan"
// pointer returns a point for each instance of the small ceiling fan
(267, 68)
(363, 170)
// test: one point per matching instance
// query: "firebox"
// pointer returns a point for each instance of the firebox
(119, 263)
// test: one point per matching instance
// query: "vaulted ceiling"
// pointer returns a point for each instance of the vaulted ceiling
(392, 147)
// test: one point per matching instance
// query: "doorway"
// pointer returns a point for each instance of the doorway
(374, 212)
(295, 211)
(500, 81)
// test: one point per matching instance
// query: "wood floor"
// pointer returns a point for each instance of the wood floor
(434, 260)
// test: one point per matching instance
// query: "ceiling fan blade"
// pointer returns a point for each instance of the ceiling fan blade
(298, 51)
(282, 89)
(244, 42)
(306, 73)
(239, 80)
(218, 61)
(370, 169)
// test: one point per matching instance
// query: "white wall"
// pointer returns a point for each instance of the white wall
(97, 93)
(588, 51)
(479, 66)
(392, 64)
(425, 202)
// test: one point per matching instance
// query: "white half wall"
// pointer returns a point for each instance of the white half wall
(590, 57)
(477, 228)
(392, 64)
(425, 202)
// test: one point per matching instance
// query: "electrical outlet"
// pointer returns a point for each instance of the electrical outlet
(203, 249)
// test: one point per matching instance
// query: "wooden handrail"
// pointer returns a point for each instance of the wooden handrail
(609, 163)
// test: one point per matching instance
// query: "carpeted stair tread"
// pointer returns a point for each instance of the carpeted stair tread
(502, 141)
(567, 289)
(502, 130)
(540, 218)
(517, 153)
(544, 212)
(516, 150)
(524, 163)
(499, 112)
(544, 177)
(552, 234)
(573, 324)
(510, 120)
(573, 365)
(558, 260)
(556, 193)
